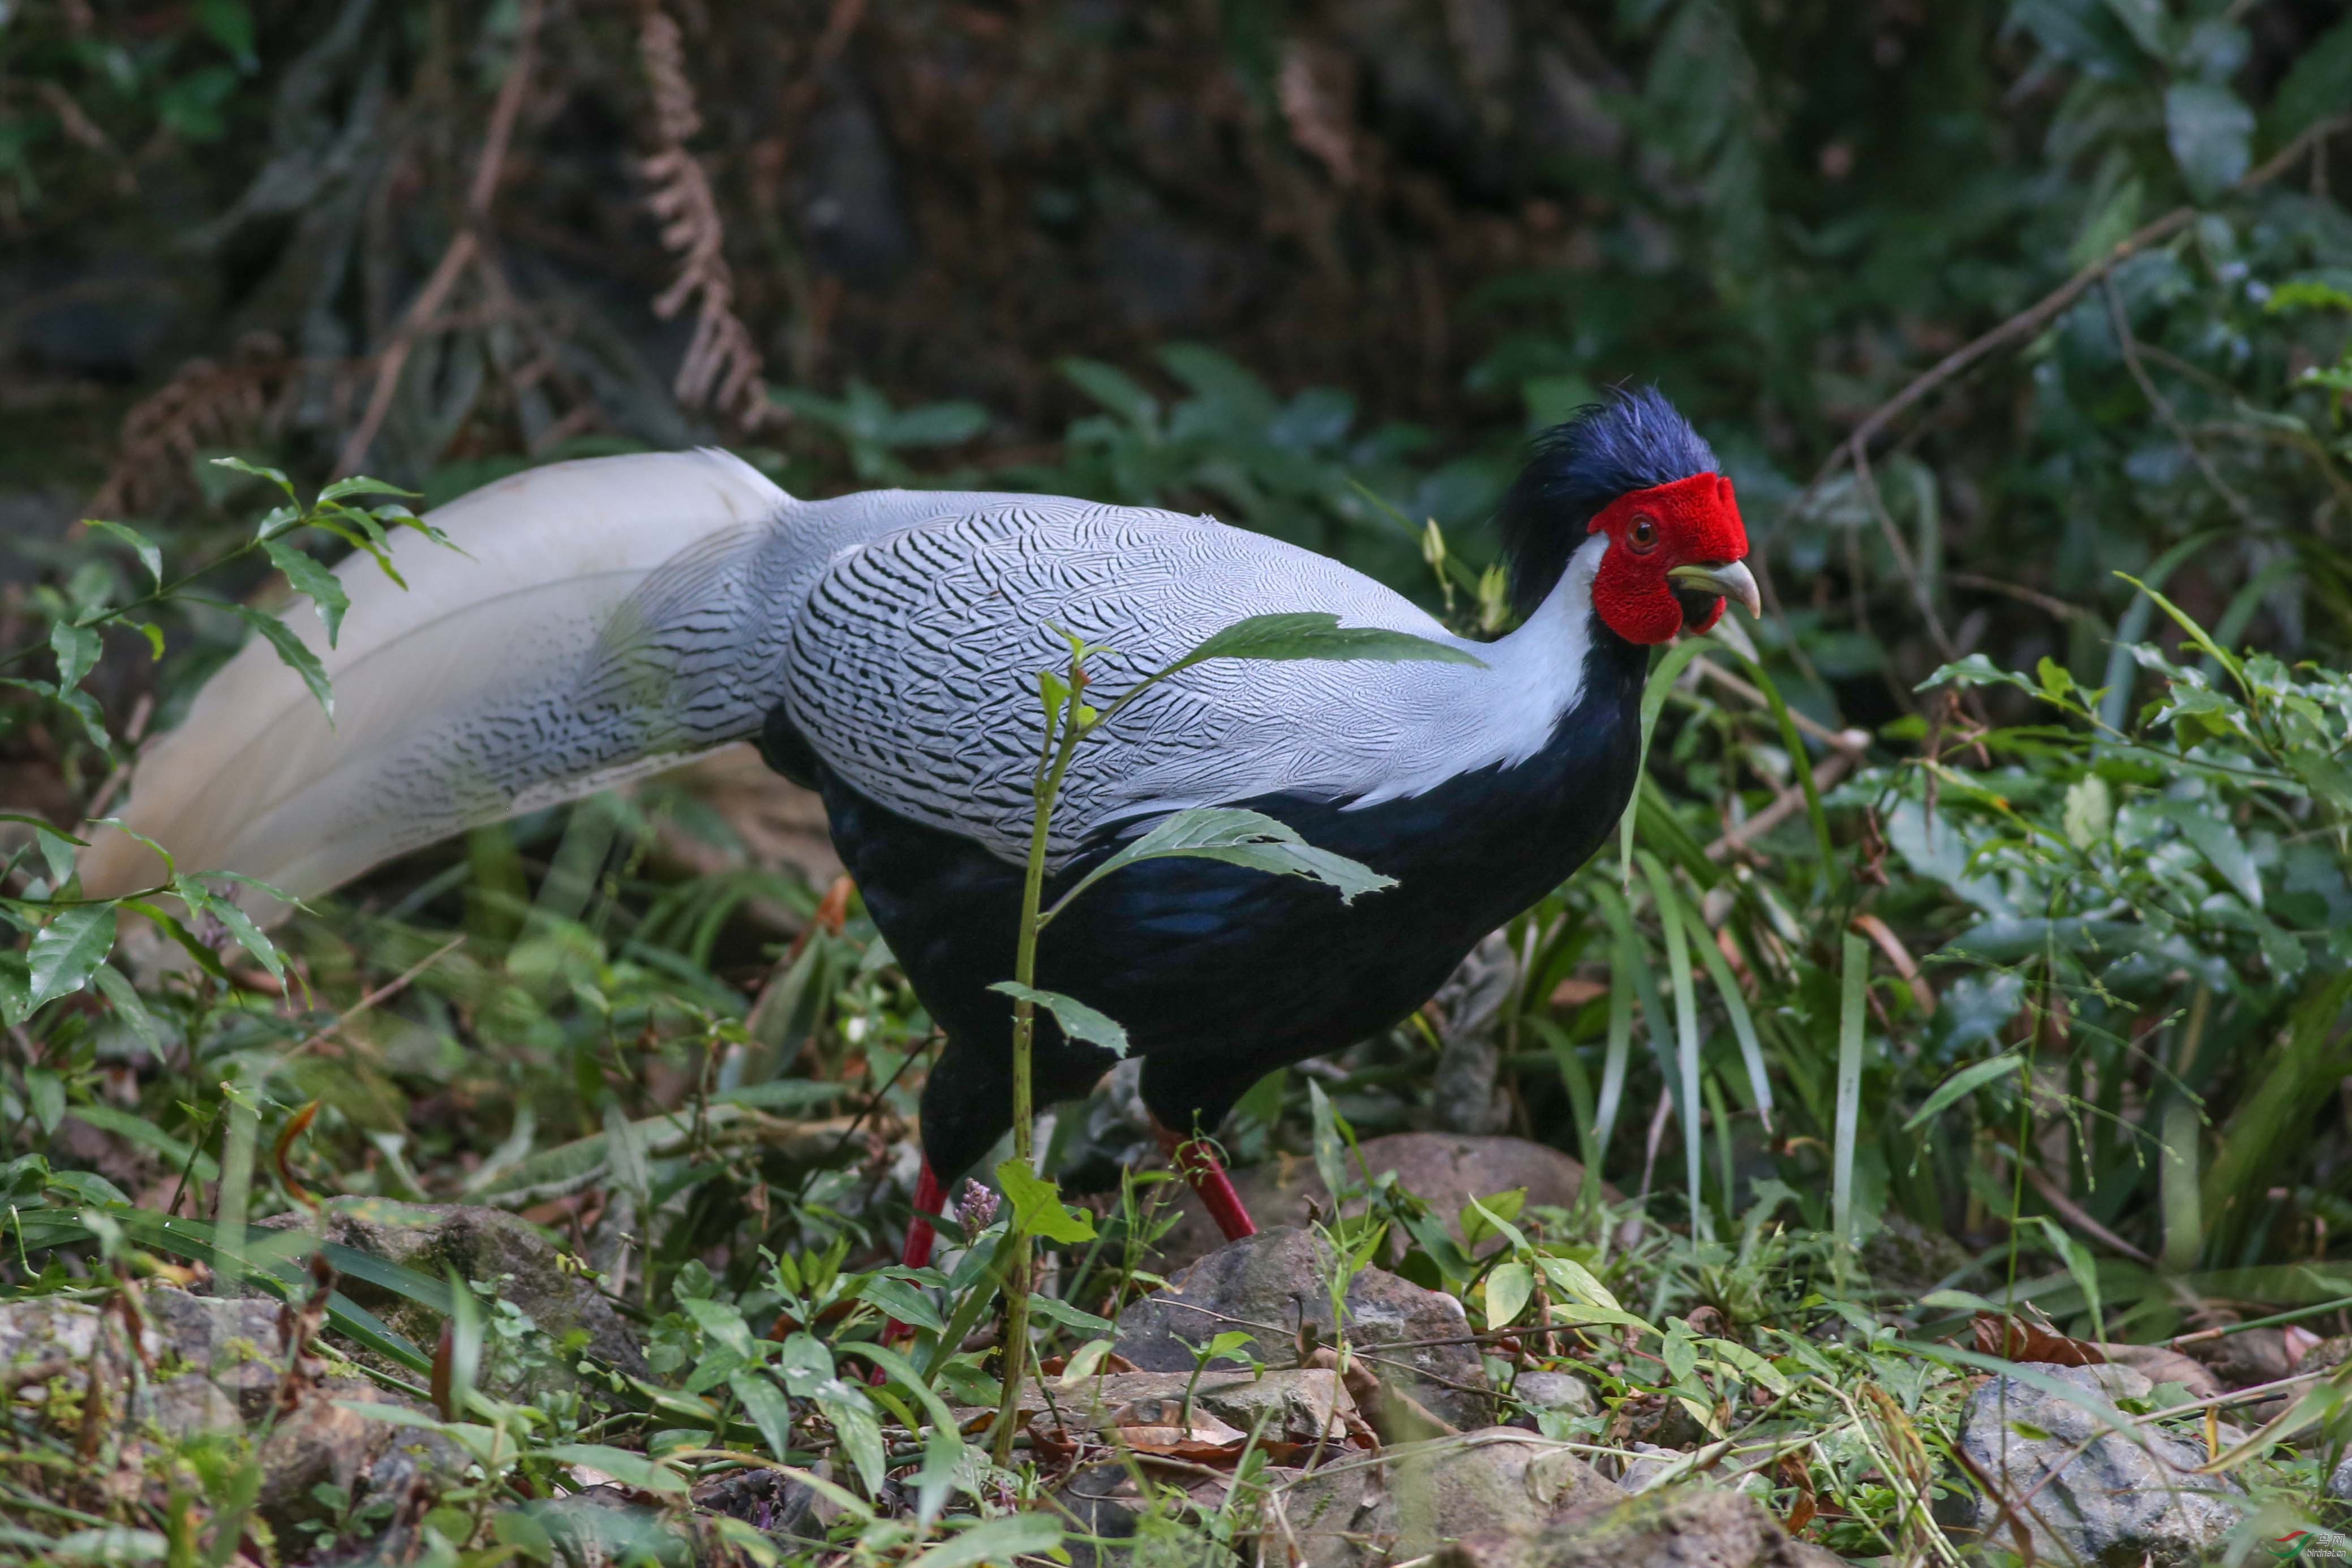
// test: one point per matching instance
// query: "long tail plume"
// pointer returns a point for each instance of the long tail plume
(598, 620)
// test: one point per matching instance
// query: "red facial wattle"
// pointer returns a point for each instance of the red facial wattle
(1690, 522)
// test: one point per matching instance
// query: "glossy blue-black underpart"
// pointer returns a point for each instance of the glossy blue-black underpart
(1223, 974)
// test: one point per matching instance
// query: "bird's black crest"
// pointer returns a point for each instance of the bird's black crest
(1632, 440)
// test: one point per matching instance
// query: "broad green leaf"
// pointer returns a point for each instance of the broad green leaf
(16, 988)
(1059, 1311)
(360, 484)
(67, 950)
(77, 649)
(1317, 635)
(308, 577)
(140, 546)
(858, 1430)
(293, 652)
(2090, 811)
(1078, 1021)
(2205, 826)
(1037, 1207)
(902, 1302)
(2212, 133)
(1967, 1080)
(765, 1404)
(1509, 1289)
(56, 848)
(275, 476)
(995, 1541)
(628, 1469)
(1238, 837)
(1576, 1281)
(1114, 390)
(143, 1131)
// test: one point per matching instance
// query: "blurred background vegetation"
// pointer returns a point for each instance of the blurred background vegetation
(1318, 268)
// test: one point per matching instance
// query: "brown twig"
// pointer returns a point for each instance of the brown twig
(2075, 1215)
(1783, 806)
(2121, 321)
(464, 250)
(2029, 321)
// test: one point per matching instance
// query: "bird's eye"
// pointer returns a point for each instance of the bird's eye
(1643, 535)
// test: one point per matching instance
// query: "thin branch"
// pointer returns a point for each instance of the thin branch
(2028, 323)
(2165, 412)
(464, 250)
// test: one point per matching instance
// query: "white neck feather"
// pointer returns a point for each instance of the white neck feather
(1533, 676)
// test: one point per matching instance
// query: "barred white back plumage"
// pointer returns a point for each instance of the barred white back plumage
(497, 680)
(619, 615)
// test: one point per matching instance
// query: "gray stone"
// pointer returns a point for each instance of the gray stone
(1267, 1285)
(1555, 1391)
(1444, 1170)
(1677, 1527)
(1499, 1477)
(479, 1244)
(2096, 1494)
(1305, 1408)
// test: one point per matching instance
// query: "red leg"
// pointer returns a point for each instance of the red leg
(918, 1253)
(1195, 1160)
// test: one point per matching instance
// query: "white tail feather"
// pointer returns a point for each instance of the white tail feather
(598, 625)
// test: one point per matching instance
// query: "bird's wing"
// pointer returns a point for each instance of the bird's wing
(913, 667)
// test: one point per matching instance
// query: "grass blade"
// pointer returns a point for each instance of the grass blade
(1743, 1025)
(1856, 985)
(1678, 968)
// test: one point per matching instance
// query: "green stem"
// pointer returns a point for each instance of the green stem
(1062, 735)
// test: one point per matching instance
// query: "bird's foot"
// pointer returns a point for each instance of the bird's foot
(921, 1235)
(1195, 1159)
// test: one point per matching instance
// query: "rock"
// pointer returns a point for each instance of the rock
(486, 1245)
(1905, 1257)
(604, 1526)
(1497, 1477)
(1653, 1464)
(1349, 1514)
(234, 1342)
(45, 1329)
(1305, 1408)
(2340, 1483)
(766, 1502)
(1695, 1526)
(1444, 1170)
(2249, 1359)
(1555, 1391)
(1267, 1285)
(1114, 1503)
(2159, 1364)
(2098, 1495)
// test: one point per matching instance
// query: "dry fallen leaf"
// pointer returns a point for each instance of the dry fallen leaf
(2015, 1341)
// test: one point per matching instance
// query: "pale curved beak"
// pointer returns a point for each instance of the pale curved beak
(1731, 579)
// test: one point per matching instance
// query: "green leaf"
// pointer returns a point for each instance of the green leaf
(77, 649)
(2204, 826)
(1114, 390)
(765, 1404)
(143, 1131)
(2090, 811)
(902, 1302)
(16, 988)
(2196, 633)
(628, 1469)
(2318, 83)
(56, 848)
(1037, 1207)
(1509, 1289)
(1317, 635)
(996, 1541)
(1238, 837)
(308, 577)
(1853, 991)
(275, 476)
(2212, 134)
(360, 484)
(1078, 1021)
(293, 652)
(67, 950)
(860, 1432)
(1966, 1082)
(1654, 701)
(1059, 1311)
(140, 546)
